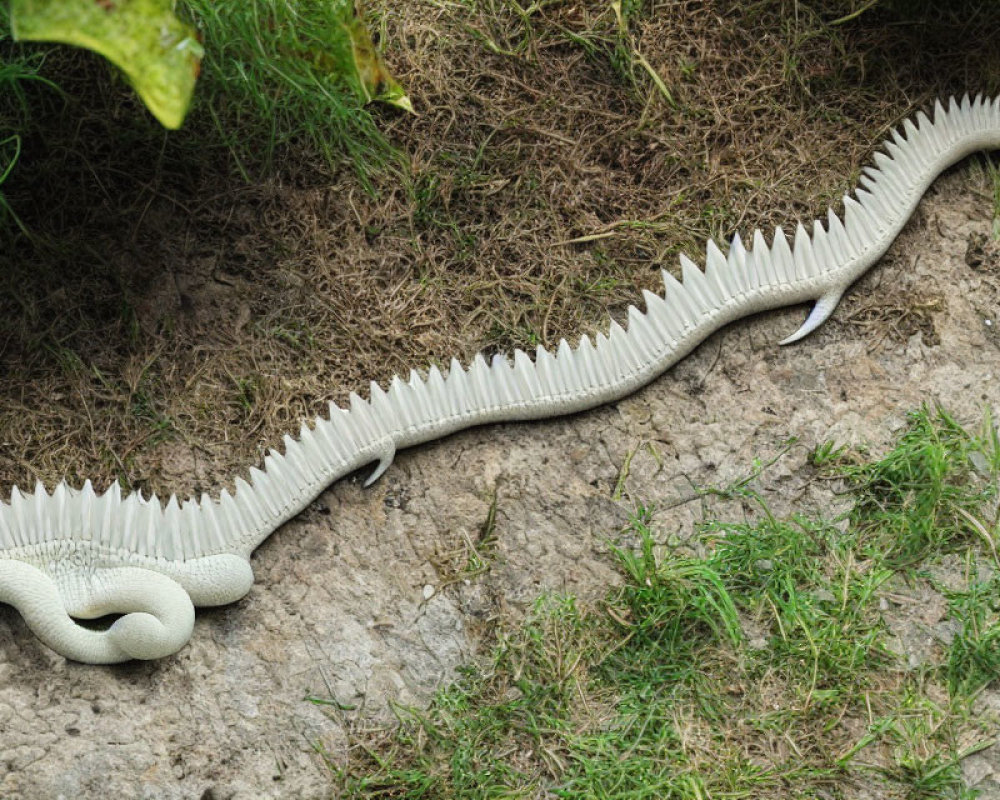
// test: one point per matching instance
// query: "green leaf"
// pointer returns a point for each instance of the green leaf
(159, 54)
(367, 72)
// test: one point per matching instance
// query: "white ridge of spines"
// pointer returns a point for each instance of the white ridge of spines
(287, 475)
(859, 221)
(888, 171)
(381, 408)
(125, 522)
(427, 409)
(478, 375)
(250, 506)
(88, 503)
(21, 519)
(314, 460)
(764, 265)
(604, 367)
(841, 246)
(872, 204)
(97, 515)
(401, 401)
(658, 314)
(454, 386)
(641, 334)
(173, 549)
(499, 381)
(438, 389)
(300, 470)
(582, 363)
(603, 359)
(821, 246)
(679, 300)
(715, 274)
(697, 288)
(919, 140)
(545, 369)
(623, 347)
(565, 369)
(802, 255)
(526, 375)
(903, 152)
(744, 280)
(716, 265)
(9, 539)
(606, 356)
(37, 513)
(502, 381)
(17, 518)
(781, 254)
(215, 536)
(927, 129)
(233, 517)
(599, 368)
(574, 368)
(107, 509)
(192, 540)
(872, 182)
(339, 428)
(148, 526)
(328, 441)
(268, 487)
(56, 520)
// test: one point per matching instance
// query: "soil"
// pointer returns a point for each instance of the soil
(197, 339)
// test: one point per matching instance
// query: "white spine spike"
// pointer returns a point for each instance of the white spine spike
(80, 553)
(527, 376)
(718, 265)
(781, 257)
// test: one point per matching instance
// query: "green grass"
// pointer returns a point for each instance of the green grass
(272, 82)
(20, 68)
(974, 656)
(763, 669)
(919, 499)
(992, 168)
(272, 79)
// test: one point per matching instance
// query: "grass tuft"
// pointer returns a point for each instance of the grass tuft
(917, 500)
(20, 68)
(762, 669)
(274, 78)
(974, 655)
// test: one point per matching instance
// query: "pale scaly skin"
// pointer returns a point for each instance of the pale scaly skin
(75, 553)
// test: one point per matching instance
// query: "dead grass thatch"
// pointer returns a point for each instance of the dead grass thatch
(165, 321)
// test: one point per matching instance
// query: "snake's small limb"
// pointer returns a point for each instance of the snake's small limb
(820, 313)
(386, 457)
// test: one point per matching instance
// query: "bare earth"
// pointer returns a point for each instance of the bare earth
(340, 609)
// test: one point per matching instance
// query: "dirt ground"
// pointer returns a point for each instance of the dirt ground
(168, 352)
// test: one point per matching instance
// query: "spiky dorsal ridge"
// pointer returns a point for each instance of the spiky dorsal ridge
(813, 265)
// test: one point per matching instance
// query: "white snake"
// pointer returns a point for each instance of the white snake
(79, 554)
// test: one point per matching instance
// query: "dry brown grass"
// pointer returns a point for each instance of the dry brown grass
(184, 321)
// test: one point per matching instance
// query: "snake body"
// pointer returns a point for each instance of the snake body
(77, 554)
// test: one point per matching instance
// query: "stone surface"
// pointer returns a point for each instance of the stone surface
(340, 612)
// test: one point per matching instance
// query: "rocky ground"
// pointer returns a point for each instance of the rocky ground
(355, 601)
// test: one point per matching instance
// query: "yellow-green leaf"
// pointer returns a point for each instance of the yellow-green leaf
(159, 54)
(367, 71)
